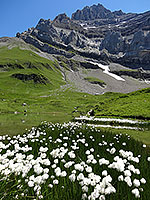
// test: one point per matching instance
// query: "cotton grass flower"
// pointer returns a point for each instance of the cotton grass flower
(79, 167)
(143, 181)
(112, 151)
(136, 182)
(127, 179)
(31, 183)
(88, 169)
(72, 177)
(104, 173)
(120, 178)
(148, 159)
(71, 154)
(55, 182)
(103, 161)
(136, 193)
(127, 173)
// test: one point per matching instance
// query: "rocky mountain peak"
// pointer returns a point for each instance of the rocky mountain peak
(118, 13)
(91, 13)
(62, 18)
(95, 12)
(44, 25)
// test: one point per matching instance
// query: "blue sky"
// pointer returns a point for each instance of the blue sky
(19, 15)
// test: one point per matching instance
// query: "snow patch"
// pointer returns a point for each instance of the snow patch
(107, 71)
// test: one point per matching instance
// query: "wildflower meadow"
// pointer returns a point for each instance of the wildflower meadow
(73, 162)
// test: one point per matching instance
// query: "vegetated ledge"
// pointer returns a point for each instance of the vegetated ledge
(13, 66)
(23, 65)
(94, 80)
(37, 78)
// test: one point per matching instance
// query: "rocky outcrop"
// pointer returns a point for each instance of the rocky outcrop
(45, 31)
(64, 22)
(7, 66)
(74, 39)
(45, 26)
(61, 19)
(44, 46)
(75, 65)
(36, 78)
(133, 53)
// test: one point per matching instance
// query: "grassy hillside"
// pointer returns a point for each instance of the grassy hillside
(16, 55)
(134, 105)
(17, 61)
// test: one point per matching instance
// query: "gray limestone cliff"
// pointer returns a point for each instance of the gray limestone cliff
(95, 31)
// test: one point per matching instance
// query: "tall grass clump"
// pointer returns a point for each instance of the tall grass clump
(73, 162)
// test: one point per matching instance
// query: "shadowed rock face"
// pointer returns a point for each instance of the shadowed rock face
(93, 31)
(139, 74)
(141, 41)
(113, 42)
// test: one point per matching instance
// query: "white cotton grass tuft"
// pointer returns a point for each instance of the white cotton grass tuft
(136, 193)
(148, 159)
(72, 177)
(136, 182)
(55, 182)
(143, 181)
(71, 154)
(120, 178)
(31, 183)
(104, 173)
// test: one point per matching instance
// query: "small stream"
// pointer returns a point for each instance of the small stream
(114, 123)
